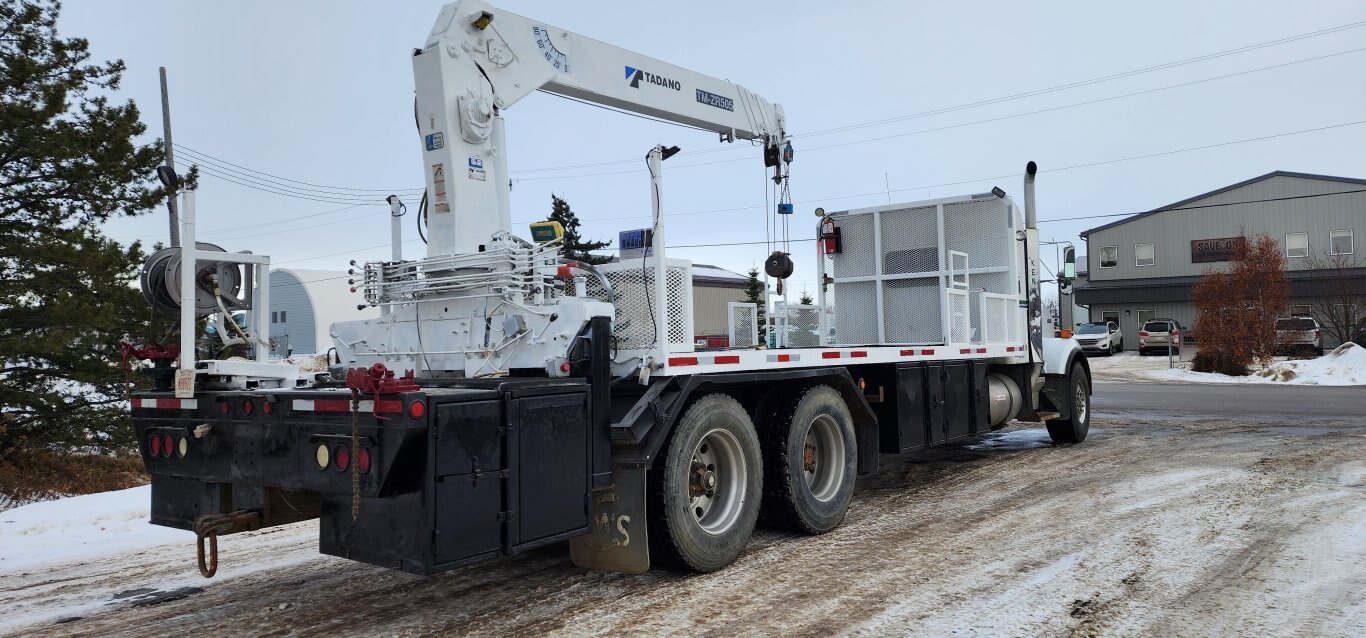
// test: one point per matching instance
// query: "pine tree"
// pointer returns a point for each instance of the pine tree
(754, 293)
(575, 246)
(68, 162)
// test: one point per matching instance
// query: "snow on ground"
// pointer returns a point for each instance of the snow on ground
(79, 528)
(1345, 365)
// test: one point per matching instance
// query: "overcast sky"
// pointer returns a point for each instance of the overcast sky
(321, 92)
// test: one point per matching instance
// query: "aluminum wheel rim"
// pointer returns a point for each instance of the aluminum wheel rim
(823, 458)
(716, 482)
(1080, 416)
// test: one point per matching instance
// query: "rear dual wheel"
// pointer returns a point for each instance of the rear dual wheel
(705, 491)
(812, 460)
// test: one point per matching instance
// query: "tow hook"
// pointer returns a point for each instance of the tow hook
(211, 525)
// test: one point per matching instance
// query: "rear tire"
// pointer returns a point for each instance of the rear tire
(812, 461)
(1075, 428)
(706, 486)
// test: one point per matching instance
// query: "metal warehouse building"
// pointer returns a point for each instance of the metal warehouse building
(1146, 265)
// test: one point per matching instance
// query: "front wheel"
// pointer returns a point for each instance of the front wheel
(812, 456)
(705, 490)
(1074, 428)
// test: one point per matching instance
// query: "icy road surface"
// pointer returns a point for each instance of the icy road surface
(1157, 527)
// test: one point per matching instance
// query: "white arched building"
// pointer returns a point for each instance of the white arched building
(303, 306)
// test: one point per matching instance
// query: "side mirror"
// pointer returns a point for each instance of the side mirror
(1069, 262)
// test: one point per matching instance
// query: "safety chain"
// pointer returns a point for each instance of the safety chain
(355, 449)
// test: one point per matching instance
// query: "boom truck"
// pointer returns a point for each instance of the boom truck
(507, 398)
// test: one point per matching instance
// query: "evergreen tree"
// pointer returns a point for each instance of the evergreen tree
(754, 293)
(68, 162)
(575, 246)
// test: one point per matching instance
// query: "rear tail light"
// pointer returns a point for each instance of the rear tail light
(268, 408)
(154, 446)
(363, 460)
(223, 407)
(1316, 334)
(1142, 333)
(417, 409)
(341, 458)
(246, 406)
(167, 445)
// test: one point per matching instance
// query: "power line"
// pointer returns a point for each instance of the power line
(321, 186)
(995, 177)
(995, 100)
(1163, 210)
(972, 123)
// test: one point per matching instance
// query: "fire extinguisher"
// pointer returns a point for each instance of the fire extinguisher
(830, 237)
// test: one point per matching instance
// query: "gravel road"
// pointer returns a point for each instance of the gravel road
(1160, 524)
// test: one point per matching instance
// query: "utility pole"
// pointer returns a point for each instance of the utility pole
(170, 157)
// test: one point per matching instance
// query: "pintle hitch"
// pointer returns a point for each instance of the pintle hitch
(211, 525)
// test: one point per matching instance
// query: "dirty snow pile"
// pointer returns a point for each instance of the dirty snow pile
(79, 528)
(1345, 365)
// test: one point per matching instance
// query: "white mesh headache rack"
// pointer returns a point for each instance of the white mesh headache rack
(936, 272)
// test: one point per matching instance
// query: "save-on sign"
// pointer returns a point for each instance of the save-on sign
(1208, 250)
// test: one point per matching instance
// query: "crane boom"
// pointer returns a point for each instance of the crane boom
(479, 60)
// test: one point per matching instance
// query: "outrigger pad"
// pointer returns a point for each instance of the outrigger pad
(617, 541)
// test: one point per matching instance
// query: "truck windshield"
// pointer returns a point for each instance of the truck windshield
(1091, 329)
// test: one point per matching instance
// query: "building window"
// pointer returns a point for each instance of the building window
(1297, 244)
(1110, 315)
(282, 316)
(1340, 242)
(1109, 256)
(1144, 316)
(1301, 311)
(1143, 255)
(274, 317)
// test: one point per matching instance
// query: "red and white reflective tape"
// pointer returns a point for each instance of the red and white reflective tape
(720, 359)
(851, 354)
(166, 404)
(344, 405)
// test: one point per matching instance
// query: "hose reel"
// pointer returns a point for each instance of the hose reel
(161, 282)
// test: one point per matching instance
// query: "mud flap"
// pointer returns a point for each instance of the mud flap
(617, 541)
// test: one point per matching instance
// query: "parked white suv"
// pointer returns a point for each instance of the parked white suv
(1299, 333)
(1099, 338)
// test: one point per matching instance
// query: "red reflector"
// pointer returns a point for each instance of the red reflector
(830, 355)
(167, 445)
(154, 446)
(268, 407)
(981, 351)
(965, 351)
(858, 353)
(388, 405)
(908, 353)
(246, 406)
(363, 460)
(417, 409)
(732, 358)
(341, 457)
(683, 361)
(784, 357)
(927, 352)
(564, 367)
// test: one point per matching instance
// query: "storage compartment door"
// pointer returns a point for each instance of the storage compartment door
(554, 474)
